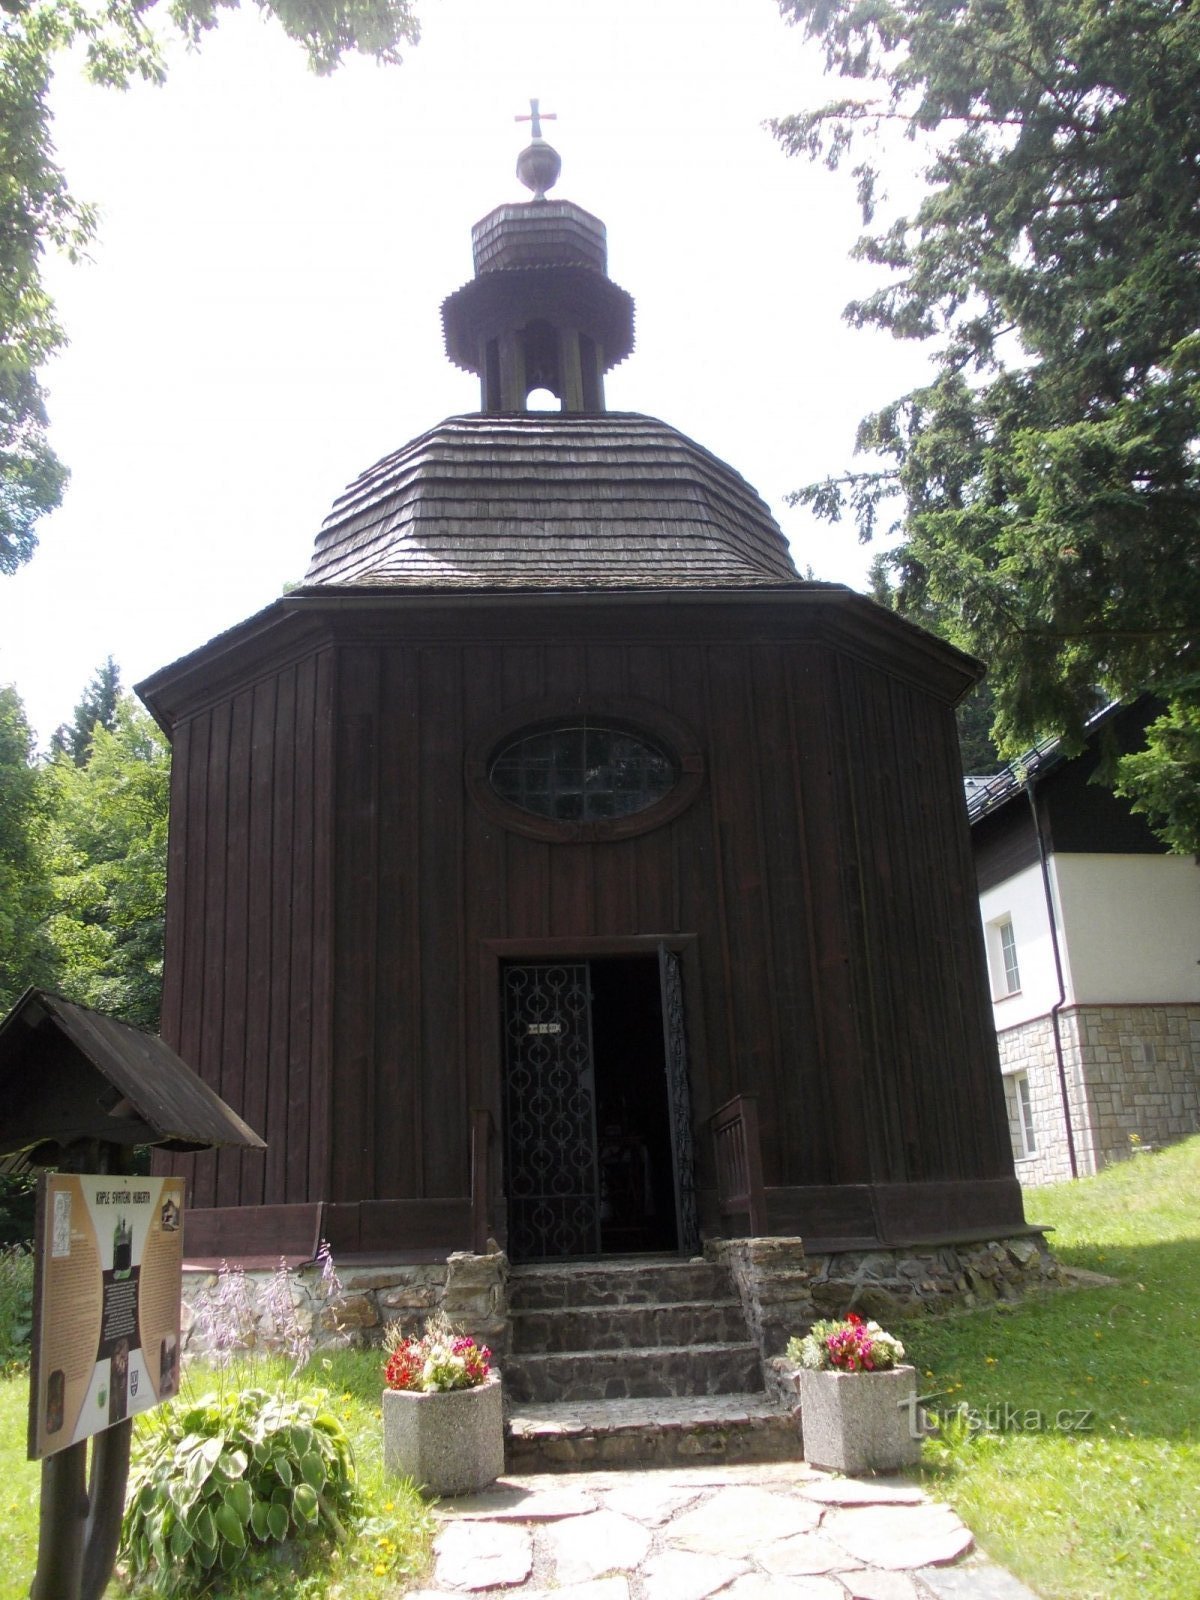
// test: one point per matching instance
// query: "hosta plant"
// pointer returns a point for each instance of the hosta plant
(218, 1479)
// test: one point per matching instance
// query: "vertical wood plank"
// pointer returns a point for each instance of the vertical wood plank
(356, 947)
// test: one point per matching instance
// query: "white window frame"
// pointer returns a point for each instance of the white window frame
(1024, 1104)
(1002, 958)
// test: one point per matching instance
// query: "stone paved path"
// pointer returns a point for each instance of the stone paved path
(781, 1531)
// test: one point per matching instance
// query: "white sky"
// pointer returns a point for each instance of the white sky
(261, 317)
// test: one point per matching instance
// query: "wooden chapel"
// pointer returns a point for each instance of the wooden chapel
(556, 823)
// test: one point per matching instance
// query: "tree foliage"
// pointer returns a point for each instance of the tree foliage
(120, 41)
(83, 862)
(25, 804)
(107, 857)
(97, 706)
(977, 711)
(1047, 477)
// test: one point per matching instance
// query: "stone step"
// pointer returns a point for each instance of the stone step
(690, 1431)
(638, 1374)
(628, 1327)
(639, 1281)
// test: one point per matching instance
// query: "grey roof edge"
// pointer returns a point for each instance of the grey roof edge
(160, 1086)
(987, 795)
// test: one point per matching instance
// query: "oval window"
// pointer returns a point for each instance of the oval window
(582, 773)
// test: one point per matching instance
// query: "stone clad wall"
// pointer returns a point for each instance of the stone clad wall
(784, 1290)
(1131, 1070)
(470, 1289)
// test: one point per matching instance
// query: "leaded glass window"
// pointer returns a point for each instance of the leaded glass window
(582, 773)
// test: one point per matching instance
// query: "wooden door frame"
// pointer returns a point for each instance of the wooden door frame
(493, 952)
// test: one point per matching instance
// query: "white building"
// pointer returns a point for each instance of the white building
(1093, 942)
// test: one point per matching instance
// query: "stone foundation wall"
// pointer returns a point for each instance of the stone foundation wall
(470, 1289)
(1131, 1070)
(784, 1290)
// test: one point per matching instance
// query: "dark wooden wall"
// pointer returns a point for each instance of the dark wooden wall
(334, 888)
(246, 990)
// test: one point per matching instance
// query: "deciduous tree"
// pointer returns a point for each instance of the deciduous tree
(108, 868)
(26, 955)
(119, 40)
(1047, 477)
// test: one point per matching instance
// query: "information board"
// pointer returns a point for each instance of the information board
(108, 1276)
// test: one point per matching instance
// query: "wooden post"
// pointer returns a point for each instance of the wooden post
(481, 1179)
(79, 1521)
(61, 1522)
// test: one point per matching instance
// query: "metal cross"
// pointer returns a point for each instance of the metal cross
(535, 116)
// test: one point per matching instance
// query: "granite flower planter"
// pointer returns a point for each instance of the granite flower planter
(860, 1421)
(450, 1441)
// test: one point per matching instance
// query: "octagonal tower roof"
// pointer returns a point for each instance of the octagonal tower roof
(546, 499)
(580, 498)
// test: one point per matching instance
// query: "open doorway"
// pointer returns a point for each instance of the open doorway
(597, 1129)
(633, 1118)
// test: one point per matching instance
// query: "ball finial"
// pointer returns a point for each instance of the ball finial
(538, 165)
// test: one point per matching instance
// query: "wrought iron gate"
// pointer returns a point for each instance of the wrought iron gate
(552, 1166)
(552, 1175)
(679, 1100)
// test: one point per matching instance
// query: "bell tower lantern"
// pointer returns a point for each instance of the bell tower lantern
(541, 311)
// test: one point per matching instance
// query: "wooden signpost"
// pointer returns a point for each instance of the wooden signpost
(78, 1093)
(108, 1275)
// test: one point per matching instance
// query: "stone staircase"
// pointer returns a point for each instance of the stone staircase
(637, 1362)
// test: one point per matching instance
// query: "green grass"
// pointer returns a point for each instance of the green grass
(389, 1553)
(1108, 1509)
(20, 1484)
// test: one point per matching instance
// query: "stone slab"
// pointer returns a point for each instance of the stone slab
(804, 1555)
(513, 1503)
(898, 1537)
(740, 1519)
(680, 1575)
(754, 1586)
(862, 1492)
(974, 1579)
(614, 1588)
(589, 1547)
(482, 1555)
(648, 1502)
(871, 1584)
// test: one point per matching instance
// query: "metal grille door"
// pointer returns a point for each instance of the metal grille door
(550, 1113)
(679, 1099)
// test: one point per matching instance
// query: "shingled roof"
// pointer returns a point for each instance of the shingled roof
(550, 500)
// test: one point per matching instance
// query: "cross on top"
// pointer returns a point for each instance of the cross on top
(535, 117)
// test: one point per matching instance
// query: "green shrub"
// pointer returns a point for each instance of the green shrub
(16, 1304)
(17, 1195)
(218, 1480)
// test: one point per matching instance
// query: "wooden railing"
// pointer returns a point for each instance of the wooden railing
(739, 1161)
(483, 1130)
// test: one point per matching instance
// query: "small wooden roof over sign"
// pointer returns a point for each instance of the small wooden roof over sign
(69, 1074)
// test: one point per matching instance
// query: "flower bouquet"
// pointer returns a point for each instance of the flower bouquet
(438, 1360)
(851, 1345)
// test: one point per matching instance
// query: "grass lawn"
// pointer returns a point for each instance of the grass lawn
(1084, 1478)
(1103, 1498)
(391, 1549)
